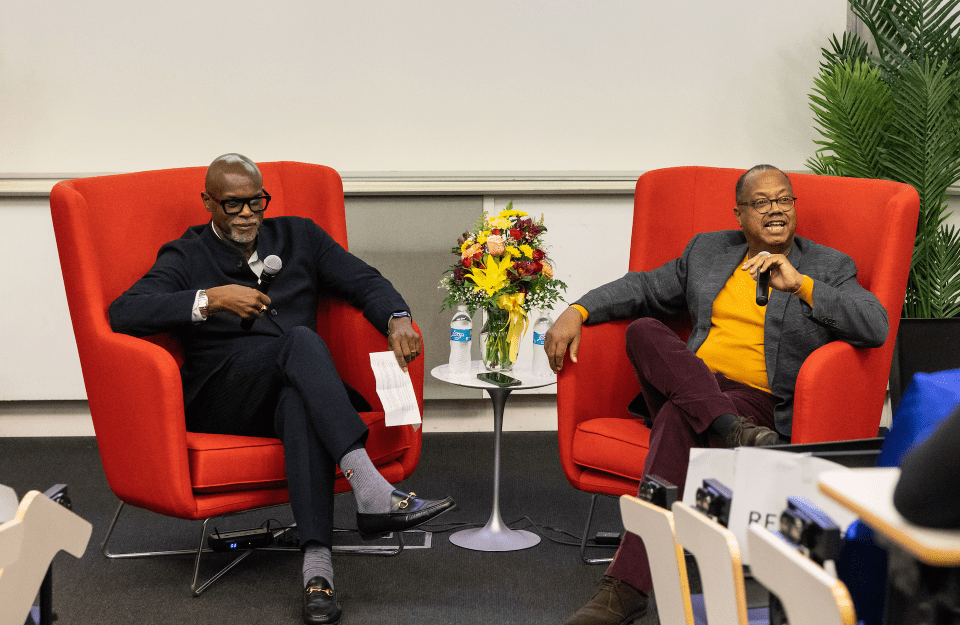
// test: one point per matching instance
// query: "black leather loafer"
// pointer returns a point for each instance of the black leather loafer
(406, 511)
(320, 605)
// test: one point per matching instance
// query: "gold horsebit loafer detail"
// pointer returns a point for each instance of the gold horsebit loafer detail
(406, 511)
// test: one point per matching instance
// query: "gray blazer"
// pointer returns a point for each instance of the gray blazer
(842, 309)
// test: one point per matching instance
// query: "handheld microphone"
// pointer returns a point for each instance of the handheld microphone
(271, 267)
(763, 284)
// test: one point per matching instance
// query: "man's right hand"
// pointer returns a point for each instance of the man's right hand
(563, 334)
(242, 300)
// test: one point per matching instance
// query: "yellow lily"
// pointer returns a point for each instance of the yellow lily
(494, 276)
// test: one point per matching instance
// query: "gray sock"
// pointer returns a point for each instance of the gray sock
(317, 561)
(369, 487)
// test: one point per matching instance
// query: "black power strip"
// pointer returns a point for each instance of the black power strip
(243, 539)
(607, 538)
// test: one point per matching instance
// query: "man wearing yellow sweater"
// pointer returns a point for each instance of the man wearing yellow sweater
(731, 384)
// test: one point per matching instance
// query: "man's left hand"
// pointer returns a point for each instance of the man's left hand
(783, 275)
(403, 340)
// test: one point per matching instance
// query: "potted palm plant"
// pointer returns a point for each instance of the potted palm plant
(893, 112)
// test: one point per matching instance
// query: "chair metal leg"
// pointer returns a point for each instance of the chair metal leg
(384, 550)
(196, 564)
(197, 589)
(586, 535)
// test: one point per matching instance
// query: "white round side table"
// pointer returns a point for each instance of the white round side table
(495, 535)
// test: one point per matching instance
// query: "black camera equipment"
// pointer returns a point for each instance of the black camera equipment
(658, 491)
(713, 500)
(806, 526)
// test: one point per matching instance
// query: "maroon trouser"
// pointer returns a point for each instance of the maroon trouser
(684, 397)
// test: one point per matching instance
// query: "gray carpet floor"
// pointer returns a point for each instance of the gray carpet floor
(444, 584)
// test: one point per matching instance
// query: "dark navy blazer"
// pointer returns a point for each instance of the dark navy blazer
(314, 265)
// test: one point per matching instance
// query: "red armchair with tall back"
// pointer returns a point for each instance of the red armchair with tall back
(108, 232)
(840, 391)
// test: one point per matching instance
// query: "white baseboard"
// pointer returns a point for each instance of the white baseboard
(45, 418)
(528, 413)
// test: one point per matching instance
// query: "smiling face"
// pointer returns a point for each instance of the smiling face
(774, 231)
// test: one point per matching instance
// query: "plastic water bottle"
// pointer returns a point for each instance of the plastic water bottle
(541, 366)
(460, 329)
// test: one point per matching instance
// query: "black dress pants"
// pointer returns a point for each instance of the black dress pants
(289, 389)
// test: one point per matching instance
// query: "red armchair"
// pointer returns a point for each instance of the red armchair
(108, 232)
(840, 390)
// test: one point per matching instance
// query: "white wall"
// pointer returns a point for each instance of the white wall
(422, 85)
(461, 89)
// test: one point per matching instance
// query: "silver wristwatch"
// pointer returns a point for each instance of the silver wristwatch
(202, 303)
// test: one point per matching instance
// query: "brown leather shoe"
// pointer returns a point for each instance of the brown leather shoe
(748, 434)
(614, 603)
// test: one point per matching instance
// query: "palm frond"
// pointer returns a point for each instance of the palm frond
(936, 282)
(852, 107)
(851, 48)
(912, 30)
(923, 144)
(896, 114)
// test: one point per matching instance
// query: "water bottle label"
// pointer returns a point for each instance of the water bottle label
(459, 335)
(539, 337)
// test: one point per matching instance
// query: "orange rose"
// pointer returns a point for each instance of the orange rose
(470, 251)
(495, 245)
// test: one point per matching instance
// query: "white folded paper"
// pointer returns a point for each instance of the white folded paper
(395, 390)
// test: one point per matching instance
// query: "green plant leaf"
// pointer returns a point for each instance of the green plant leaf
(852, 107)
(896, 114)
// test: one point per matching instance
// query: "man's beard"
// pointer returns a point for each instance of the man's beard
(240, 237)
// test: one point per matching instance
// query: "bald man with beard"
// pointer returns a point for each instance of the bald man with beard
(277, 378)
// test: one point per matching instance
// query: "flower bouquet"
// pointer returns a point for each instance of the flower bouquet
(504, 270)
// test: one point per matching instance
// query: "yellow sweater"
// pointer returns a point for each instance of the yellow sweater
(734, 346)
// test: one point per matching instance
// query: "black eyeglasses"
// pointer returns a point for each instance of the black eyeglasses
(763, 205)
(234, 205)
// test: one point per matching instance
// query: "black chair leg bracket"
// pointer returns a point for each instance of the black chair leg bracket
(586, 535)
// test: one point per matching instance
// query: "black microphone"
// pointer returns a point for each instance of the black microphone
(271, 267)
(763, 285)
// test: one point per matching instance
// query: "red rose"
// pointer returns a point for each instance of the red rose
(516, 234)
(537, 267)
(467, 262)
(538, 255)
(495, 231)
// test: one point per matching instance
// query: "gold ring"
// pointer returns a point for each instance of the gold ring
(263, 310)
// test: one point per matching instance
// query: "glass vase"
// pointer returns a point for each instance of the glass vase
(496, 346)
